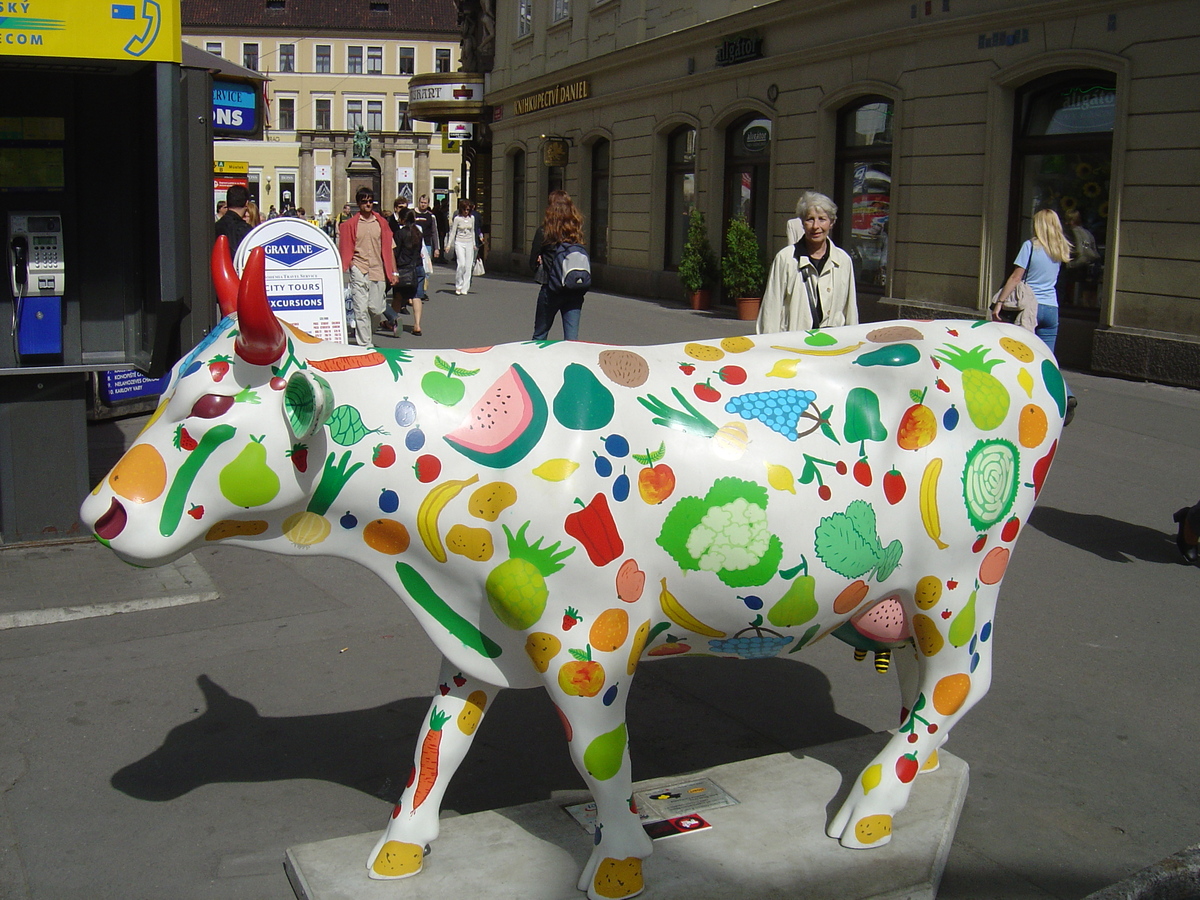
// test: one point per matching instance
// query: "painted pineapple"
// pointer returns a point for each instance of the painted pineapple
(987, 398)
(516, 588)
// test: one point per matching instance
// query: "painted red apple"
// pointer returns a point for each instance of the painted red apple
(1041, 468)
(894, 487)
(656, 483)
(1011, 527)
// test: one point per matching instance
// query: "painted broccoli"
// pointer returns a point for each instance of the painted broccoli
(725, 533)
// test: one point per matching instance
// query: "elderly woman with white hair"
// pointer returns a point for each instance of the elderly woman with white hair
(811, 283)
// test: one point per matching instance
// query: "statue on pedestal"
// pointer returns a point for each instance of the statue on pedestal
(362, 143)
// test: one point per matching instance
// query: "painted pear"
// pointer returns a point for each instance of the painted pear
(248, 480)
(962, 629)
(583, 403)
(799, 602)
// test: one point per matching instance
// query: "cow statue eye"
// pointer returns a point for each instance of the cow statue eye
(211, 406)
(308, 403)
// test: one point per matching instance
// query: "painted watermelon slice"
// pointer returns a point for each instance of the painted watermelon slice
(505, 424)
(883, 621)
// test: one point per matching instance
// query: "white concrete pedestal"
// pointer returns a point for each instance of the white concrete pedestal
(771, 845)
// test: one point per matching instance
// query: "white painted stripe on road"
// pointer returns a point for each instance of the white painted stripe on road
(28, 617)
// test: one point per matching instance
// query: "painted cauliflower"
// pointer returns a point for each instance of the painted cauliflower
(725, 533)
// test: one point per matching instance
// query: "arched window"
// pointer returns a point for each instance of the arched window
(747, 173)
(1062, 160)
(863, 188)
(681, 191)
(598, 226)
(517, 204)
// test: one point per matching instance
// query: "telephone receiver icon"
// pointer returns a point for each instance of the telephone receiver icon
(152, 13)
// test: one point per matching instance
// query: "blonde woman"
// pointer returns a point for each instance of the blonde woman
(252, 215)
(1038, 262)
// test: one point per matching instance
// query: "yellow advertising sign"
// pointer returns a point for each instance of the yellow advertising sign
(137, 30)
(230, 167)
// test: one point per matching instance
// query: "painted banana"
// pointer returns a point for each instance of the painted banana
(429, 510)
(681, 617)
(930, 516)
(809, 351)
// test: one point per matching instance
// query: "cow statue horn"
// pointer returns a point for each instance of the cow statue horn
(225, 279)
(260, 340)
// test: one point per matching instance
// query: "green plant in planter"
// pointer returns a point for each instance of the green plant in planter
(698, 265)
(742, 270)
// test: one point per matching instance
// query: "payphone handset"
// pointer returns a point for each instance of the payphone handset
(37, 276)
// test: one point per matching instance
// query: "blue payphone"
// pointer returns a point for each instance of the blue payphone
(37, 277)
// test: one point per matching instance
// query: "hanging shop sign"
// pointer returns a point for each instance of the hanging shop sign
(739, 49)
(556, 152)
(235, 109)
(555, 96)
(446, 97)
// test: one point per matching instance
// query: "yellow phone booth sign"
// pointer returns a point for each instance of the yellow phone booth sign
(135, 30)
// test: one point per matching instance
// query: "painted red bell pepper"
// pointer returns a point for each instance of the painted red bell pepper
(593, 526)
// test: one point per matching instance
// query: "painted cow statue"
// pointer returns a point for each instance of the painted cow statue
(555, 513)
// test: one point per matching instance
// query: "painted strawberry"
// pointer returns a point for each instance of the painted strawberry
(299, 457)
(459, 680)
(183, 440)
(444, 689)
(570, 618)
(218, 367)
(906, 768)
(687, 368)
(196, 512)
(383, 455)
(894, 487)
(862, 472)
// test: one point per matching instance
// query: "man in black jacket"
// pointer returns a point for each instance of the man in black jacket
(233, 224)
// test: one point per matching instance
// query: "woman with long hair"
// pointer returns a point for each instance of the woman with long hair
(460, 240)
(1038, 263)
(561, 224)
(252, 216)
(409, 243)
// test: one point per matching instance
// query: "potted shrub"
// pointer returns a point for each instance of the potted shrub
(742, 272)
(698, 265)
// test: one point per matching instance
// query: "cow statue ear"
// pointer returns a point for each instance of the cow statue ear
(308, 402)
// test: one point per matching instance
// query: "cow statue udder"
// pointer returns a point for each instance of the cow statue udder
(554, 513)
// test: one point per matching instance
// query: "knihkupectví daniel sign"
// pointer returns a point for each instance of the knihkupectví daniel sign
(146, 30)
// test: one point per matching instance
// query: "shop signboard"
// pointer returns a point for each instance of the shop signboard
(304, 275)
(147, 30)
(234, 109)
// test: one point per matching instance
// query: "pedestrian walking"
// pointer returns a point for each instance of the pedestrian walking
(562, 224)
(365, 243)
(460, 243)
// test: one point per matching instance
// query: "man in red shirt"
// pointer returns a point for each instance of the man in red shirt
(365, 242)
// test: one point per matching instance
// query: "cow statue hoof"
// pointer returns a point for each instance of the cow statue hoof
(537, 507)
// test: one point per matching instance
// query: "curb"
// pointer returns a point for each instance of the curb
(1175, 878)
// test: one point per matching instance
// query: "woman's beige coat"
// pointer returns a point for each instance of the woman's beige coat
(785, 301)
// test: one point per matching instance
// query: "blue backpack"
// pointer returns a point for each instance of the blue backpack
(570, 269)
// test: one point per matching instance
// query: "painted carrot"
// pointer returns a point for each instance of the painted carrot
(345, 363)
(429, 756)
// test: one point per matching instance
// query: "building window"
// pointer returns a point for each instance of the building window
(562, 10)
(441, 60)
(354, 60)
(216, 48)
(524, 18)
(323, 112)
(863, 188)
(250, 56)
(1062, 160)
(403, 120)
(747, 173)
(287, 57)
(601, 163)
(287, 114)
(374, 60)
(323, 57)
(517, 183)
(354, 115)
(408, 61)
(287, 190)
(374, 115)
(681, 191)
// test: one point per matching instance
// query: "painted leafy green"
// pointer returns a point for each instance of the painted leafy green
(848, 543)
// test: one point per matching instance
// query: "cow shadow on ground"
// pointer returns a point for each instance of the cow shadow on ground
(1108, 538)
(700, 713)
